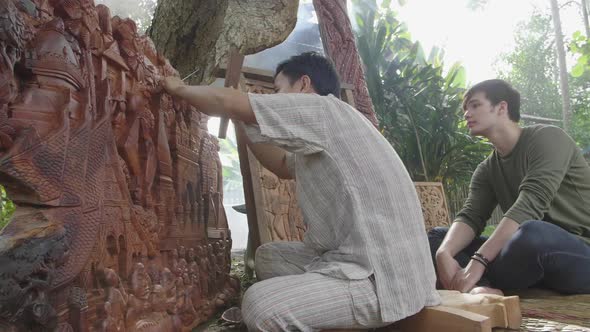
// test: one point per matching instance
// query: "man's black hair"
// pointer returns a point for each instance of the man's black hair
(320, 70)
(497, 90)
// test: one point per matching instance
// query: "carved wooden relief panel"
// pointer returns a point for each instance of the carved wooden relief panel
(120, 224)
(277, 212)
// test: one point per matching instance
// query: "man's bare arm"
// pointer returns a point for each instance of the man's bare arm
(459, 236)
(502, 234)
(467, 278)
(271, 157)
(234, 105)
(210, 100)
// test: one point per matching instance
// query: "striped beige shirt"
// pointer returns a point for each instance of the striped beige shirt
(357, 199)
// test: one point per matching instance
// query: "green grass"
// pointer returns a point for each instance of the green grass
(488, 230)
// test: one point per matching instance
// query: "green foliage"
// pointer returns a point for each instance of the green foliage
(580, 46)
(580, 128)
(417, 104)
(580, 91)
(232, 175)
(531, 67)
(488, 230)
(6, 208)
(477, 4)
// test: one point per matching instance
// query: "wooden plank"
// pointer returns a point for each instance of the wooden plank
(232, 80)
(444, 319)
(251, 213)
(504, 311)
(264, 235)
(348, 97)
(252, 73)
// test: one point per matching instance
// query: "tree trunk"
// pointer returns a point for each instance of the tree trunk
(585, 13)
(198, 34)
(563, 74)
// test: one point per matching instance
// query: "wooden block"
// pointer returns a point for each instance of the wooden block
(463, 312)
(443, 319)
(503, 311)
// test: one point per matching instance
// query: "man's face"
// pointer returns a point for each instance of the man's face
(480, 114)
(283, 85)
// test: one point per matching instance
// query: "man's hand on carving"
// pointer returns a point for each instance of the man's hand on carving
(171, 84)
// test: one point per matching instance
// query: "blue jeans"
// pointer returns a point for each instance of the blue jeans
(539, 254)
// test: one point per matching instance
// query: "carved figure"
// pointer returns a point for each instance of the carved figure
(116, 298)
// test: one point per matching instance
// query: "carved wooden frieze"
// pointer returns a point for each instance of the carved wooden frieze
(119, 223)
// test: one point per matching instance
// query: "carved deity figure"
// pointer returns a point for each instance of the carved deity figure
(109, 324)
(117, 298)
(204, 267)
(187, 311)
(196, 294)
(81, 21)
(130, 44)
(139, 303)
(212, 270)
(137, 137)
(169, 286)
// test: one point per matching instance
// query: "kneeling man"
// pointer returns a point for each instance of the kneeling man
(540, 180)
(364, 260)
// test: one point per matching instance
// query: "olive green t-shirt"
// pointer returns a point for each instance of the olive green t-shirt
(545, 177)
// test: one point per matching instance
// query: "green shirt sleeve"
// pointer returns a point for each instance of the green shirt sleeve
(548, 159)
(481, 201)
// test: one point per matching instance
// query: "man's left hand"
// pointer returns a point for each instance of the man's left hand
(467, 278)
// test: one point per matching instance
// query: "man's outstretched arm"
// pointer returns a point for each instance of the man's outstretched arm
(235, 105)
(224, 102)
(271, 157)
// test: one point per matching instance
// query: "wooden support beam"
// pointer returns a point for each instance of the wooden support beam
(232, 79)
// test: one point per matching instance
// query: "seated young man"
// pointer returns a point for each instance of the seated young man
(364, 261)
(540, 180)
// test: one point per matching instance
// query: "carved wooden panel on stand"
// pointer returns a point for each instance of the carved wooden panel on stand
(434, 204)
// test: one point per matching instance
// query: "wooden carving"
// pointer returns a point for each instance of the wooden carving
(119, 223)
(434, 204)
(278, 214)
(339, 44)
(462, 313)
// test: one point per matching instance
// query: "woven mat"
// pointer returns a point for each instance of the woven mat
(548, 311)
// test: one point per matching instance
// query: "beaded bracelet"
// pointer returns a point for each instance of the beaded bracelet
(482, 257)
(479, 260)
